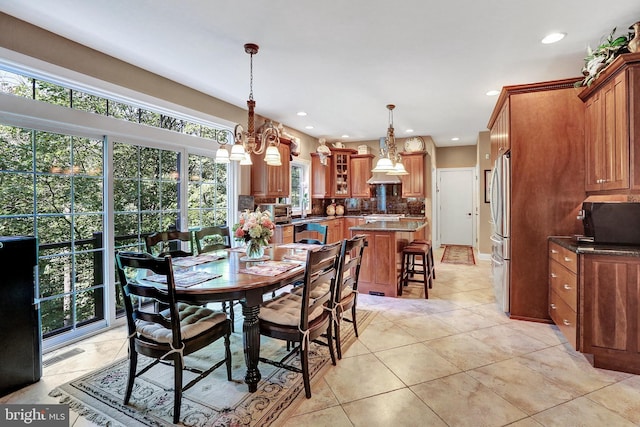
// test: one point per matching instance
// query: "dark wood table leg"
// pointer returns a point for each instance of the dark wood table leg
(251, 341)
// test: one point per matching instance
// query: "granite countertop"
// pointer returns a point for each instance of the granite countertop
(586, 248)
(402, 226)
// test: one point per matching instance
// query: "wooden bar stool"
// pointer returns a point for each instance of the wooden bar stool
(410, 267)
(432, 264)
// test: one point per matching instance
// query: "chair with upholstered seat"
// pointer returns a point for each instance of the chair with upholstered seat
(302, 233)
(345, 295)
(171, 333)
(300, 318)
(169, 243)
(211, 239)
(346, 292)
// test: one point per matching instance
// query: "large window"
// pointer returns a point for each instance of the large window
(300, 186)
(208, 183)
(51, 186)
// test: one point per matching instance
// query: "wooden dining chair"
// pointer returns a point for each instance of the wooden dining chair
(170, 334)
(301, 319)
(211, 239)
(346, 285)
(169, 243)
(345, 294)
(302, 233)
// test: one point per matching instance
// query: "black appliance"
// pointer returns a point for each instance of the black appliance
(21, 361)
(614, 223)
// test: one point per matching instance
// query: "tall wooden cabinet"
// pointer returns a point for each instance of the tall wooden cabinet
(612, 124)
(543, 124)
(413, 184)
(271, 181)
(499, 134)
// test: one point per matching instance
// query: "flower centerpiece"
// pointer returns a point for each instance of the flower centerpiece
(255, 229)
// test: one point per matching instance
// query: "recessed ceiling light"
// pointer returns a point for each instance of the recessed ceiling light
(553, 37)
(308, 127)
(301, 113)
(455, 138)
(493, 92)
(409, 131)
(345, 136)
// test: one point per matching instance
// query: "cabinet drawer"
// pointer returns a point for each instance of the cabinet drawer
(564, 318)
(287, 234)
(564, 283)
(564, 256)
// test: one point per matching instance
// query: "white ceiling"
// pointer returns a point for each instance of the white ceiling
(343, 61)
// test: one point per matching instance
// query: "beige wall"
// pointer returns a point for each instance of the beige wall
(484, 213)
(457, 157)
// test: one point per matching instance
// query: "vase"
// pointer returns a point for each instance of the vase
(255, 249)
(634, 44)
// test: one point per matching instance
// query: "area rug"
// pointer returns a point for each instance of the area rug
(457, 254)
(214, 401)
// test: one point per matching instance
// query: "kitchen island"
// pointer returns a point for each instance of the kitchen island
(382, 257)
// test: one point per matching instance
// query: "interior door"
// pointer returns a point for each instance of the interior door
(455, 206)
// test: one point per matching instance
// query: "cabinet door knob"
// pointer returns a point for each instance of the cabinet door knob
(567, 287)
(553, 306)
(567, 259)
(553, 251)
(553, 275)
(566, 322)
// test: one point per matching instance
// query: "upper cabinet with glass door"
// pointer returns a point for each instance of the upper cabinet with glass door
(331, 176)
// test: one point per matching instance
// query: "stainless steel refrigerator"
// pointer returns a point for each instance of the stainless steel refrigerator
(21, 359)
(501, 237)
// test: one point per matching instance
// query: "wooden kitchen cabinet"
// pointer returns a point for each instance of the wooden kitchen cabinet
(348, 222)
(413, 184)
(607, 137)
(542, 124)
(563, 291)
(271, 181)
(361, 165)
(283, 234)
(610, 322)
(334, 229)
(612, 127)
(499, 134)
(320, 178)
(333, 179)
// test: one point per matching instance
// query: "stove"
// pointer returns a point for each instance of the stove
(382, 217)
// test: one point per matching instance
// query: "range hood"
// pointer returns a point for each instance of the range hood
(383, 178)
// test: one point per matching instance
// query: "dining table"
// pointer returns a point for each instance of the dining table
(229, 275)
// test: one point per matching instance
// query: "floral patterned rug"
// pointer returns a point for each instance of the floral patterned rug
(457, 254)
(214, 401)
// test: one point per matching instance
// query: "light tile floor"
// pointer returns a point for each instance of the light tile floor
(451, 360)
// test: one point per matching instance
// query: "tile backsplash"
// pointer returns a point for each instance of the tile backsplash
(389, 204)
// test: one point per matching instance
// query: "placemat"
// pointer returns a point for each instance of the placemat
(269, 268)
(298, 256)
(305, 246)
(190, 261)
(184, 278)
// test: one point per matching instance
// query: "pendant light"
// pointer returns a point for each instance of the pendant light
(386, 162)
(266, 139)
